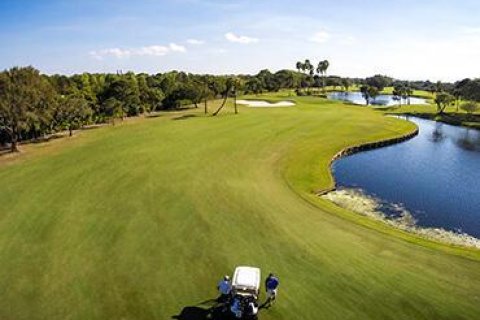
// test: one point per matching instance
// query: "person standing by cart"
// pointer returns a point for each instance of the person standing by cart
(225, 289)
(271, 285)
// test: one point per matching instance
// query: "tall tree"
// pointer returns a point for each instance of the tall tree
(346, 83)
(322, 69)
(22, 92)
(397, 94)
(443, 100)
(469, 107)
(150, 96)
(368, 93)
(378, 81)
(72, 112)
(438, 87)
(229, 84)
(299, 66)
(113, 109)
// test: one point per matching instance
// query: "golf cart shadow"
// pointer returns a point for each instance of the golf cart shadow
(198, 313)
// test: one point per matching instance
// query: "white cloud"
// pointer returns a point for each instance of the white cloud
(177, 48)
(320, 37)
(348, 40)
(154, 50)
(195, 42)
(230, 36)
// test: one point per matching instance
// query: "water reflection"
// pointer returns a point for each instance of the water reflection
(437, 134)
(470, 140)
(380, 100)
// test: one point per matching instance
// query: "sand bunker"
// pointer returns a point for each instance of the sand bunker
(265, 104)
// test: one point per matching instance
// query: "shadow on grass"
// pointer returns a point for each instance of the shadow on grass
(201, 313)
(184, 117)
(210, 309)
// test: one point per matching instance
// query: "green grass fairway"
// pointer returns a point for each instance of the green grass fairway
(140, 220)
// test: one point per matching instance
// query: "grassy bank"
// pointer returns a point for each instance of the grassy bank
(140, 220)
(452, 115)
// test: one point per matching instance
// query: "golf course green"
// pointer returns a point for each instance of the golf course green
(142, 219)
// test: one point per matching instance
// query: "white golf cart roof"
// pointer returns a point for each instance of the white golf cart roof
(246, 280)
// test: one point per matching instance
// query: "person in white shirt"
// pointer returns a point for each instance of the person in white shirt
(252, 310)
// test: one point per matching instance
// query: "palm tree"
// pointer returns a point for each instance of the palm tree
(457, 94)
(322, 69)
(408, 92)
(299, 66)
(308, 66)
(438, 87)
(369, 92)
(346, 84)
(397, 94)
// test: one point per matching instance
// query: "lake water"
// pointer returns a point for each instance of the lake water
(435, 176)
(382, 100)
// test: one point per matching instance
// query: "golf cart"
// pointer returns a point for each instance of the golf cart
(245, 290)
(246, 282)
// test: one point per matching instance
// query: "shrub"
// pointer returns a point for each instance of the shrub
(469, 107)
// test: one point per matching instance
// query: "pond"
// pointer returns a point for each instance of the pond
(435, 176)
(381, 100)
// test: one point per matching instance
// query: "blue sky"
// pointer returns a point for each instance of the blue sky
(429, 39)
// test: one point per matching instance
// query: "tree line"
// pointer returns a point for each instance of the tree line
(33, 105)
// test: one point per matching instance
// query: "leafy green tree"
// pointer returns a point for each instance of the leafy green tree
(402, 92)
(368, 93)
(253, 85)
(125, 90)
(379, 81)
(438, 87)
(470, 107)
(23, 91)
(397, 94)
(407, 93)
(150, 97)
(443, 100)
(346, 83)
(469, 89)
(113, 109)
(72, 112)
(268, 81)
(286, 79)
(456, 93)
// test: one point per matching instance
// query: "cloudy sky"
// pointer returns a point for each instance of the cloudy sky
(407, 39)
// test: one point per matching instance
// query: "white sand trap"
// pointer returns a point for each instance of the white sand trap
(265, 104)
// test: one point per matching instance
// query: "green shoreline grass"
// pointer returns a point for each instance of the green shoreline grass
(140, 220)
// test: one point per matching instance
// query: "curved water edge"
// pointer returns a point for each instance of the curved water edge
(364, 147)
(355, 199)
